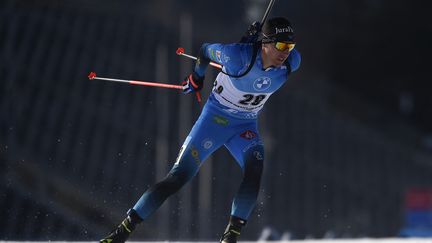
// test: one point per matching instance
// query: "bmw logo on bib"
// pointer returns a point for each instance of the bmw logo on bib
(262, 83)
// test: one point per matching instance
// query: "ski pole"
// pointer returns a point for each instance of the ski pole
(269, 7)
(181, 52)
(92, 76)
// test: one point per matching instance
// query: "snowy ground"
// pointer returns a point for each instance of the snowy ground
(365, 240)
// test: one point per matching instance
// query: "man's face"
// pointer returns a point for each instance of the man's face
(274, 56)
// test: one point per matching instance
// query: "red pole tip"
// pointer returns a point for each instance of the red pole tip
(198, 95)
(180, 50)
(92, 75)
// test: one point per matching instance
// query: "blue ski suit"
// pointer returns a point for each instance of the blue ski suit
(228, 118)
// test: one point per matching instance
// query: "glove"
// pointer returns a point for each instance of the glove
(252, 33)
(192, 83)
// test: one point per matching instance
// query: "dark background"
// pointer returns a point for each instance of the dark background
(346, 138)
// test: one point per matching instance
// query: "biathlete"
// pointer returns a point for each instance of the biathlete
(228, 118)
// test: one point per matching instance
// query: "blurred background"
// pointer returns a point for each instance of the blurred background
(348, 139)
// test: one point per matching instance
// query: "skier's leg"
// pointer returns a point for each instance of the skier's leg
(205, 137)
(248, 150)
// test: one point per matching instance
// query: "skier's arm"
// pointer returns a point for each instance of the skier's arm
(194, 81)
(230, 56)
(202, 61)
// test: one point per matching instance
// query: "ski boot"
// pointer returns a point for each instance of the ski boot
(123, 230)
(232, 231)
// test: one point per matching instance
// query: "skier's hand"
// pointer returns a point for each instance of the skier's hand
(252, 33)
(192, 83)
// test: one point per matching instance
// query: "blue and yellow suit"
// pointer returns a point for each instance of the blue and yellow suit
(229, 118)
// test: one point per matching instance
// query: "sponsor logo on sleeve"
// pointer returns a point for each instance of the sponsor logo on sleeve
(218, 56)
(226, 58)
(212, 54)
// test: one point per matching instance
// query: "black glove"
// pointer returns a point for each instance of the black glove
(252, 33)
(192, 83)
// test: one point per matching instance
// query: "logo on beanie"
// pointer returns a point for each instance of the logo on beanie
(287, 29)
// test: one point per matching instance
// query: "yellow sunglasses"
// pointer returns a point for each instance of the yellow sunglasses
(283, 46)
